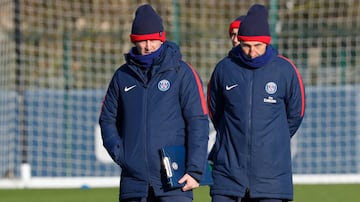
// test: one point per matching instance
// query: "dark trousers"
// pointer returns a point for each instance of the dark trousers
(152, 198)
(221, 198)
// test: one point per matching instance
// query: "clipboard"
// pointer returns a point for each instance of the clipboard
(173, 158)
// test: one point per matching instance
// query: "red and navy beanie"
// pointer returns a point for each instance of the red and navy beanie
(236, 23)
(147, 25)
(255, 26)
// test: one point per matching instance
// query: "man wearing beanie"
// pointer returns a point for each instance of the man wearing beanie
(233, 30)
(154, 100)
(256, 101)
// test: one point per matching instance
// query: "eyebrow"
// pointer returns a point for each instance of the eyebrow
(246, 44)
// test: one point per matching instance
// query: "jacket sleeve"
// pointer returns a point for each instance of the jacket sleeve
(214, 101)
(195, 114)
(296, 101)
(108, 122)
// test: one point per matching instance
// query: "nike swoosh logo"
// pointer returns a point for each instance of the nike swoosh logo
(126, 89)
(230, 87)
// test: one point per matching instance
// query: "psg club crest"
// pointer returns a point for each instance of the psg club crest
(164, 85)
(175, 166)
(271, 88)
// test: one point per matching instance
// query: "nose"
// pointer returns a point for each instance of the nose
(234, 38)
(252, 52)
(147, 45)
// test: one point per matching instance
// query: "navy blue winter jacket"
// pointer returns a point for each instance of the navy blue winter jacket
(143, 112)
(255, 112)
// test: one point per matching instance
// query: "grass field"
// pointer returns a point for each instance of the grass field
(303, 193)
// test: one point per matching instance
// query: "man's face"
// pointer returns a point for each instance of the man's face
(233, 37)
(253, 49)
(148, 46)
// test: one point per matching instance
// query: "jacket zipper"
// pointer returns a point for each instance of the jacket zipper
(146, 132)
(249, 139)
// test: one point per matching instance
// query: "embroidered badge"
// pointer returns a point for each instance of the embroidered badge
(164, 85)
(175, 166)
(271, 88)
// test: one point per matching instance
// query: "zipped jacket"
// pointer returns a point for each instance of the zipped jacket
(144, 111)
(255, 112)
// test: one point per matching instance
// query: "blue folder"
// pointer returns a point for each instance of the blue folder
(173, 158)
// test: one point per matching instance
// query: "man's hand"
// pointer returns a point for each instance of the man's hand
(190, 182)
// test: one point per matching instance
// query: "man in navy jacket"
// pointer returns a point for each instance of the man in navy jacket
(256, 100)
(234, 29)
(154, 100)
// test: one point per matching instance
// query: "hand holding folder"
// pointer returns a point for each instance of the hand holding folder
(173, 158)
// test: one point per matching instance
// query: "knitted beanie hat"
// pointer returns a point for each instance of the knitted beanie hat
(147, 25)
(255, 26)
(236, 23)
